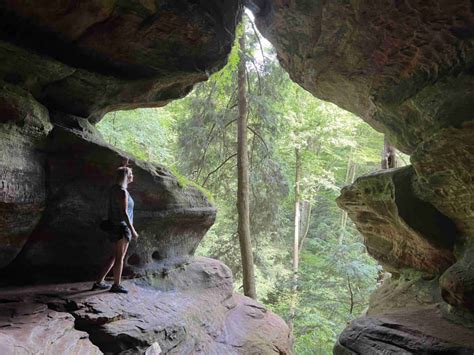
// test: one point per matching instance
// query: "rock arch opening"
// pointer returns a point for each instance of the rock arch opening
(404, 67)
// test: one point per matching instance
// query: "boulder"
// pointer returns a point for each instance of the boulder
(411, 331)
(171, 218)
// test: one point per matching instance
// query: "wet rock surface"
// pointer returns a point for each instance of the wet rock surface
(183, 316)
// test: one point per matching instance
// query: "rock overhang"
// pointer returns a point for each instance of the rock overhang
(64, 65)
(405, 67)
(90, 57)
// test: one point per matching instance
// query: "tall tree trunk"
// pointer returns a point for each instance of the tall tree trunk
(296, 239)
(389, 155)
(351, 295)
(305, 220)
(243, 181)
(350, 175)
(389, 160)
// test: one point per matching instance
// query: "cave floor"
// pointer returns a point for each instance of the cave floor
(70, 318)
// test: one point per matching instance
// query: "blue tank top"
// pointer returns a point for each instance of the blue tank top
(130, 206)
(115, 214)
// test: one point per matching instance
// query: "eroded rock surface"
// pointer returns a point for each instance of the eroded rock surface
(62, 66)
(444, 167)
(411, 331)
(407, 315)
(457, 283)
(403, 66)
(92, 57)
(400, 230)
(171, 219)
(189, 309)
(32, 328)
(24, 125)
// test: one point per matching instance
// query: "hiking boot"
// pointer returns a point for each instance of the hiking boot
(100, 286)
(118, 289)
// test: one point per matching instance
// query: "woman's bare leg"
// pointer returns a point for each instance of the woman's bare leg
(106, 268)
(120, 250)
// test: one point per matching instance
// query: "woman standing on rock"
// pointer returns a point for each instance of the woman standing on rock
(121, 216)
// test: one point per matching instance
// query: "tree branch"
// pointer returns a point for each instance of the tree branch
(258, 135)
(258, 75)
(208, 142)
(216, 169)
(256, 35)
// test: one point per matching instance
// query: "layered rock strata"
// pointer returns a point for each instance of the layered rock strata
(32, 328)
(65, 65)
(404, 66)
(24, 125)
(409, 331)
(400, 230)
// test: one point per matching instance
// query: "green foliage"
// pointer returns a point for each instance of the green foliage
(145, 133)
(197, 136)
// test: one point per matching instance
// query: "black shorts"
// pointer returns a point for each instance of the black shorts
(119, 232)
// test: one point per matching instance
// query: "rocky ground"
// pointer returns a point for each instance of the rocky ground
(406, 331)
(190, 309)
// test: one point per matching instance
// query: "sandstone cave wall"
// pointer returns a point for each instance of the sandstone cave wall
(406, 68)
(62, 66)
(55, 180)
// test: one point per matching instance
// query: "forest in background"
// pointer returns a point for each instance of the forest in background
(293, 139)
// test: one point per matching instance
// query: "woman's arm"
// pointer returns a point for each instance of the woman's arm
(124, 207)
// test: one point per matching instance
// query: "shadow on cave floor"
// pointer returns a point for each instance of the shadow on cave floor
(58, 290)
